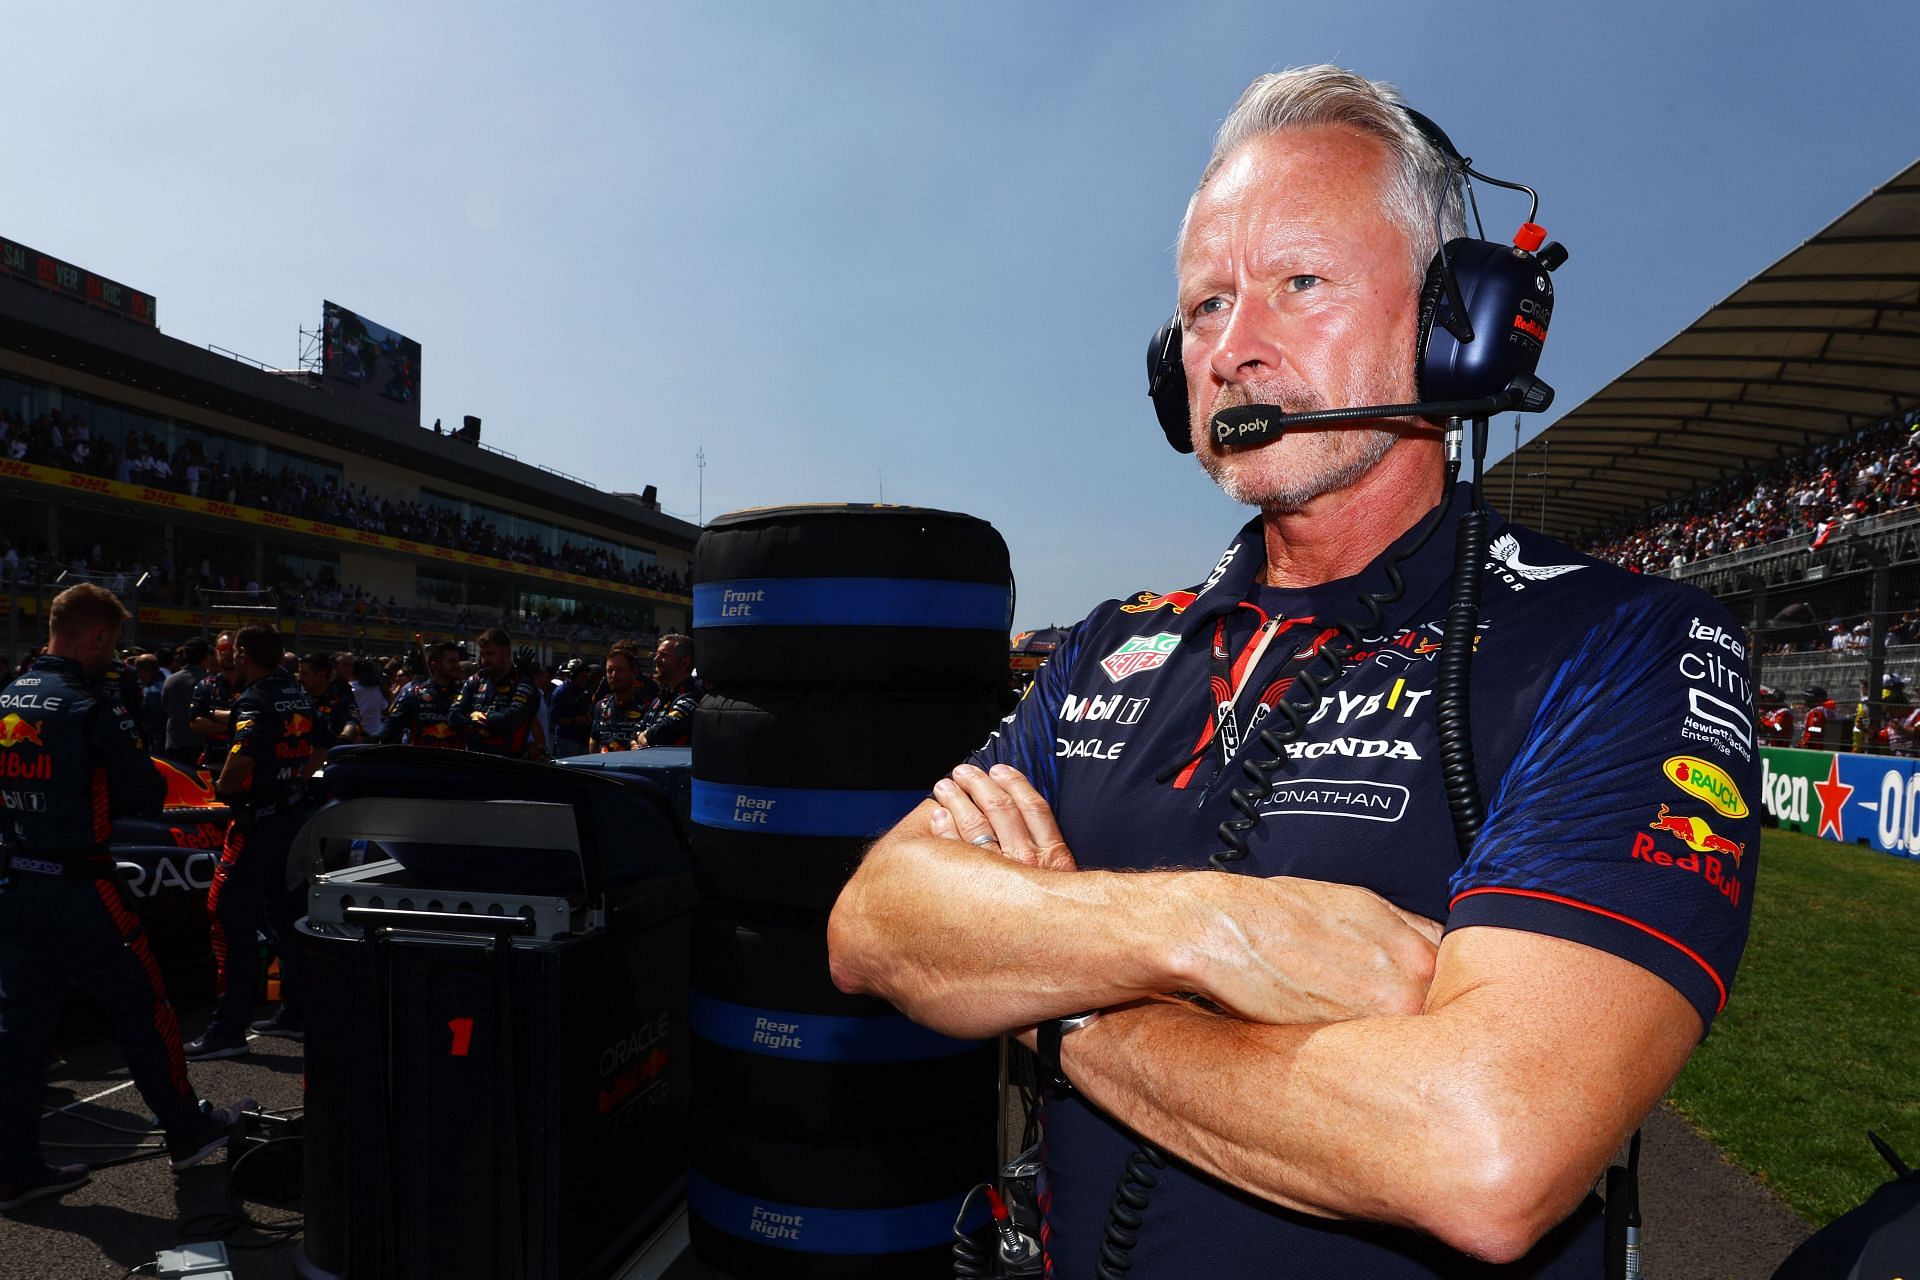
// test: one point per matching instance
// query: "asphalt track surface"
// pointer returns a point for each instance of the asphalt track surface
(1704, 1218)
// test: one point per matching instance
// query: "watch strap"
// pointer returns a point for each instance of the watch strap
(1047, 1043)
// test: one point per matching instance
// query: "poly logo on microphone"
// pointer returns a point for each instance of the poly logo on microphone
(1230, 432)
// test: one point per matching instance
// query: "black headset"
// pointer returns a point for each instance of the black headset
(1484, 312)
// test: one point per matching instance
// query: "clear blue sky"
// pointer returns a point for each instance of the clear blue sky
(843, 246)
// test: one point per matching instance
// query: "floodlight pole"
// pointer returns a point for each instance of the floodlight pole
(1513, 472)
(1546, 468)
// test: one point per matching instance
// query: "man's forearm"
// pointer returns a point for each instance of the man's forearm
(973, 944)
(1342, 1120)
(1482, 1122)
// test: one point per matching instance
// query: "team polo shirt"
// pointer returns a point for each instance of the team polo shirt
(1612, 724)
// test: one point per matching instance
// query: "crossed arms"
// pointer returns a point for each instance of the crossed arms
(1472, 1089)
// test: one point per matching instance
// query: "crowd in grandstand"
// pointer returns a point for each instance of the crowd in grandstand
(142, 458)
(1806, 495)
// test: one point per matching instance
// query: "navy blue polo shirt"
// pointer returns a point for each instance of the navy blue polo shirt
(1612, 725)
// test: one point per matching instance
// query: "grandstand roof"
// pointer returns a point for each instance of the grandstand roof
(1823, 343)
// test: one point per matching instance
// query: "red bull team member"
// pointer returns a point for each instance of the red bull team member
(68, 767)
(422, 711)
(336, 713)
(570, 711)
(496, 709)
(265, 782)
(212, 708)
(668, 721)
(1409, 1061)
(617, 717)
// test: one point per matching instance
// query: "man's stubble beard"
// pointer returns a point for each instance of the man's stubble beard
(1327, 458)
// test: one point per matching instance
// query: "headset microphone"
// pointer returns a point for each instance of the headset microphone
(1252, 424)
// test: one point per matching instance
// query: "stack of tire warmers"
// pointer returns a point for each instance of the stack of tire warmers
(852, 656)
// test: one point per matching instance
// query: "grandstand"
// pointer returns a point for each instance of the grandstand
(177, 473)
(1768, 454)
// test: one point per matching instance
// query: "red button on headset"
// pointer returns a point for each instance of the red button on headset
(1530, 236)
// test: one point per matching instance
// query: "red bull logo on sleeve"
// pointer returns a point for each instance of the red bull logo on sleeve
(1704, 860)
(1147, 602)
(1697, 834)
(1708, 782)
(14, 731)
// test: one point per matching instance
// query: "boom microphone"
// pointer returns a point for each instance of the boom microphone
(1254, 424)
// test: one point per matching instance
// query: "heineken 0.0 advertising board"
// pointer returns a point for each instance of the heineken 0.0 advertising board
(1853, 799)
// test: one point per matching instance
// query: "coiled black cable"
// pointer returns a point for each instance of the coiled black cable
(1452, 709)
(1128, 1210)
(1140, 1177)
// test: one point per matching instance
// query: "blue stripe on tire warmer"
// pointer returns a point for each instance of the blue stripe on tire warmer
(808, 1230)
(819, 1037)
(852, 602)
(800, 811)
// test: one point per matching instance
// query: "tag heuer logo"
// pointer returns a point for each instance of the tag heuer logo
(1142, 653)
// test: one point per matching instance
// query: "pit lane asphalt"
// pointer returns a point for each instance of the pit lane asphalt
(129, 1212)
(1704, 1218)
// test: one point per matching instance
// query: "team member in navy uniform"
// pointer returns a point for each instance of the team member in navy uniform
(496, 709)
(1406, 1064)
(265, 782)
(68, 767)
(668, 721)
(570, 711)
(617, 717)
(336, 715)
(422, 711)
(212, 707)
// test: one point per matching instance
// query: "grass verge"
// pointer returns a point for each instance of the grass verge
(1821, 1038)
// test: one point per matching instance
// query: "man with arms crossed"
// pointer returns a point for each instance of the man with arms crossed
(1405, 1063)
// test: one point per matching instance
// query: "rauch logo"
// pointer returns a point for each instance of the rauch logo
(1707, 782)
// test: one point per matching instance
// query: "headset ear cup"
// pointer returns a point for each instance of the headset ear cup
(1433, 295)
(1167, 385)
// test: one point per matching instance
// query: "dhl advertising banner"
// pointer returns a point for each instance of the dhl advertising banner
(1840, 796)
(11, 469)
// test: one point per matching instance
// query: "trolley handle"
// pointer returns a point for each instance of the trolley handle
(438, 921)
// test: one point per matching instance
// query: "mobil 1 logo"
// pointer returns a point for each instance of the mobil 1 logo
(1115, 707)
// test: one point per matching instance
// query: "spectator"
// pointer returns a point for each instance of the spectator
(182, 744)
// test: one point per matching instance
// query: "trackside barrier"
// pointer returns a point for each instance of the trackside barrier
(1840, 796)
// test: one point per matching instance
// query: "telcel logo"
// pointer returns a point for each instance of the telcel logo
(1707, 782)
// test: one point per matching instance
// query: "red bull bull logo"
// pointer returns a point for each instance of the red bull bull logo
(1697, 834)
(14, 731)
(298, 726)
(1147, 602)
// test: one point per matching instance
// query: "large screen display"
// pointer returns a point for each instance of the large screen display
(358, 350)
(76, 282)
